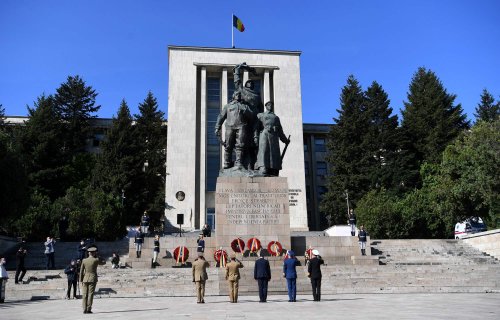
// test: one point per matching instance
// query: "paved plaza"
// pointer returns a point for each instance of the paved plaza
(348, 306)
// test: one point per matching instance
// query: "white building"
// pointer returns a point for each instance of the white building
(200, 83)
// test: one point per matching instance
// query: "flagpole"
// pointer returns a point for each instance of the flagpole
(232, 31)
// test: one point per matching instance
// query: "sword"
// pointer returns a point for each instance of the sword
(284, 150)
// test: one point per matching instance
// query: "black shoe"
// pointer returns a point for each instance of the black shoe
(85, 311)
(89, 311)
(202, 301)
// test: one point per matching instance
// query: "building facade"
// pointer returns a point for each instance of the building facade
(200, 84)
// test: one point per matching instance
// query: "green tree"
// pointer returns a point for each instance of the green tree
(430, 120)
(42, 147)
(487, 110)
(152, 134)
(39, 221)
(381, 140)
(75, 104)
(119, 166)
(346, 154)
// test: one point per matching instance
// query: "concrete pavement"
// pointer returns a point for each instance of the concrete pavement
(342, 306)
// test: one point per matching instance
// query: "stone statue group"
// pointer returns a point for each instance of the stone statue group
(250, 131)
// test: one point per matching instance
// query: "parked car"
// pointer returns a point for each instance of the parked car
(469, 226)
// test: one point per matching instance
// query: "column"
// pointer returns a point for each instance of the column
(266, 88)
(245, 77)
(200, 216)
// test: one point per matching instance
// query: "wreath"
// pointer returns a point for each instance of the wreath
(183, 256)
(309, 253)
(274, 248)
(221, 255)
(253, 244)
(238, 245)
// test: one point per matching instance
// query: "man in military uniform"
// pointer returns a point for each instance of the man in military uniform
(238, 118)
(233, 277)
(88, 278)
(200, 276)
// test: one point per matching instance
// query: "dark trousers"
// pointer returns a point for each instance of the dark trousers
(20, 270)
(262, 289)
(316, 286)
(71, 284)
(292, 289)
(3, 282)
(50, 260)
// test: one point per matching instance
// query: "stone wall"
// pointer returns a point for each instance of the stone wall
(488, 242)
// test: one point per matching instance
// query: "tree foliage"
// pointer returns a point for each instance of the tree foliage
(487, 110)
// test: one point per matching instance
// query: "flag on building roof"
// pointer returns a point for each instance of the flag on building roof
(238, 24)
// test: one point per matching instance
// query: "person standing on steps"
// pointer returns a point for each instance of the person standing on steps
(71, 272)
(20, 268)
(352, 222)
(314, 273)
(4, 276)
(145, 223)
(138, 240)
(200, 276)
(362, 240)
(290, 273)
(82, 250)
(156, 250)
(233, 277)
(262, 273)
(88, 278)
(50, 252)
(201, 244)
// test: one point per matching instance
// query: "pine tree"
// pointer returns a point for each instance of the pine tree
(120, 163)
(75, 104)
(41, 145)
(346, 154)
(152, 133)
(2, 116)
(381, 140)
(487, 110)
(430, 121)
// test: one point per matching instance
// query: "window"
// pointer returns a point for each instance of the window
(319, 144)
(321, 170)
(211, 217)
(213, 147)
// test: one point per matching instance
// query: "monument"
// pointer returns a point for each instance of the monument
(251, 202)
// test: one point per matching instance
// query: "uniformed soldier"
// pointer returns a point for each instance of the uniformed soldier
(88, 278)
(362, 240)
(233, 276)
(200, 276)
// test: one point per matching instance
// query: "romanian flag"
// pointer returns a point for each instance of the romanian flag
(238, 24)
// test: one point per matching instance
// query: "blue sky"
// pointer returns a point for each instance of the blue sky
(120, 47)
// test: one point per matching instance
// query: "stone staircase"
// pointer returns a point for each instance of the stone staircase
(407, 266)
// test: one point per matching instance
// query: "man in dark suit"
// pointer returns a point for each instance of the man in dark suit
(314, 272)
(262, 273)
(290, 273)
(88, 278)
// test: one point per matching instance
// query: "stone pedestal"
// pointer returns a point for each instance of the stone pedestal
(247, 207)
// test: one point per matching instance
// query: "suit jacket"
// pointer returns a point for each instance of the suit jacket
(88, 270)
(200, 270)
(314, 267)
(262, 269)
(289, 268)
(232, 270)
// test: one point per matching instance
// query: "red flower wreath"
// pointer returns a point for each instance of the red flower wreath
(274, 248)
(218, 254)
(309, 253)
(184, 255)
(253, 244)
(238, 245)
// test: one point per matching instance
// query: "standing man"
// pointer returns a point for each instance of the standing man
(290, 273)
(50, 252)
(20, 268)
(4, 276)
(138, 240)
(82, 250)
(156, 250)
(362, 240)
(314, 272)
(200, 276)
(88, 278)
(233, 277)
(201, 244)
(352, 222)
(262, 273)
(145, 223)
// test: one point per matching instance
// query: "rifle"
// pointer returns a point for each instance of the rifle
(284, 150)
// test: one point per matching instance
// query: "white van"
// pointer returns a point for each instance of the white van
(469, 226)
